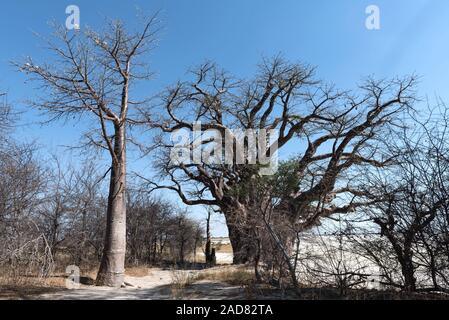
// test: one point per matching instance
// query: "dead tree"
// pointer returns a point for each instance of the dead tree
(92, 74)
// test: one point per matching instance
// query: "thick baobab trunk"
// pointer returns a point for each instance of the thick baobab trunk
(239, 245)
(112, 268)
(242, 242)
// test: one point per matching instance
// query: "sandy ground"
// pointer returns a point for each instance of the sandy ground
(158, 285)
(224, 257)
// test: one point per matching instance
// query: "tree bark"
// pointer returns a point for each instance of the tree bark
(244, 251)
(112, 267)
(241, 236)
(237, 243)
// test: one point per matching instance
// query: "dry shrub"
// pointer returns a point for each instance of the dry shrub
(29, 286)
(31, 262)
(180, 280)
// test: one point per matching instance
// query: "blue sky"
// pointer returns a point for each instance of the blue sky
(414, 38)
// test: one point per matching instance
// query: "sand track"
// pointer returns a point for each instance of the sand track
(158, 285)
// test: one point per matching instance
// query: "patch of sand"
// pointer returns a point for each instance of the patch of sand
(157, 285)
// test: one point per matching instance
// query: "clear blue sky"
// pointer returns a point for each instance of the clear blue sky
(414, 37)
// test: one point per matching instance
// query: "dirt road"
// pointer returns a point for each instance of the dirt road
(157, 285)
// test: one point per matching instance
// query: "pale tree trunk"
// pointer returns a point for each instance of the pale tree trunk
(112, 268)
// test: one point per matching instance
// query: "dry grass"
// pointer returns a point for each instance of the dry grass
(234, 275)
(91, 274)
(138, 271)
(22, 285)
(180, 280)
(26, 287)
(224, 248)
(200, 258)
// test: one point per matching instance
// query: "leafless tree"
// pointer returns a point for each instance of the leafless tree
(70, 213)
(148, 224)
(24, 249)
(335, 131)
(87, 229)
(330, 261)
(55, 206)
(184, 237)
(409, 208)
(158, 231)
(93, 74)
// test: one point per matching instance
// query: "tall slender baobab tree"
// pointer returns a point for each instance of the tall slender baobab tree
(91, 74)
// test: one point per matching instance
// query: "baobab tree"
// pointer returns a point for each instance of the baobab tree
(91, 74)
(331, 132)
